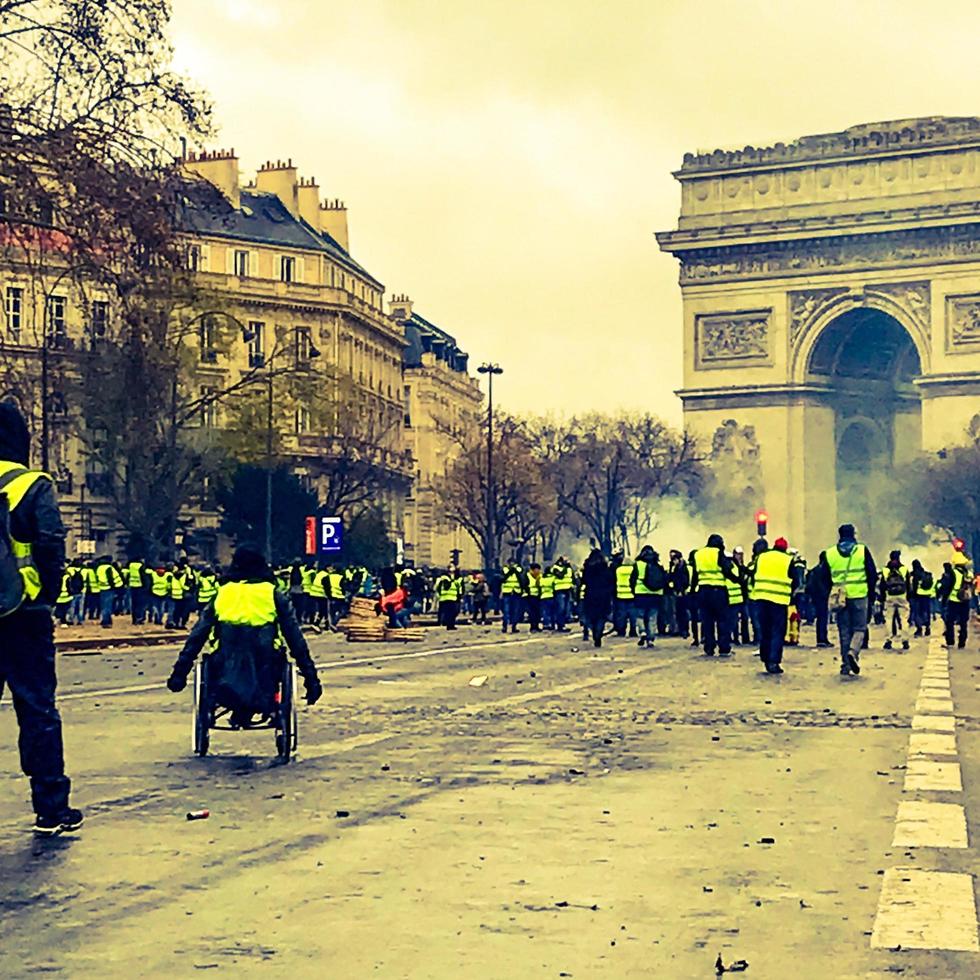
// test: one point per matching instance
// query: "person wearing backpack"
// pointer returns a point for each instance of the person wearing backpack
(922, 587)
(649, 586)
(896, 589)
(32, 556)
(956, 593)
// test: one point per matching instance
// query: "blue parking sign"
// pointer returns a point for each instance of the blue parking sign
(331, 538)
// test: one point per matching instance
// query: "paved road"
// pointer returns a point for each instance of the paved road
(584, 814)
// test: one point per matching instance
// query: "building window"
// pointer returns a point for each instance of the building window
(287, 268)
(209, 407)
(304, 343)
(241, 263)
(302, 420)
(14, 310)
(407, 401)
(99, 325)
(206, 333)
(256, 346)
(57, 325)
(194, 258)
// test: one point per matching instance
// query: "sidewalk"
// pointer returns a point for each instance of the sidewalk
(92, 636)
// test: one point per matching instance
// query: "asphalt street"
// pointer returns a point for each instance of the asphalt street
(612, 813)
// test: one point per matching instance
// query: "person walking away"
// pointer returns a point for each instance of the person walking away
(742, 633)
(564, 584)
(62, 606)
(650, 583)
(481, 599)
(512, 586)
(710, 571)
(207, 588)
(852, 573)
(772, 591)
(599, 587)
(818, 592)
(247, 618)
(318, 585)
(533, 598)
(624, 614)
(135, 582)
(736, 601)
(956, 594)
(109, 580)
(335, 593)
(32, 546)
(448, 595)
(93, 589)
(922, 586)
(547, 585)
(678, 587)
(159, 594)
(896, 592)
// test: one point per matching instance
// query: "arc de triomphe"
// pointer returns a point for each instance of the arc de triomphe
(831, 296)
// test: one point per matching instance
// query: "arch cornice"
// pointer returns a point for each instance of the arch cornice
(869, 297)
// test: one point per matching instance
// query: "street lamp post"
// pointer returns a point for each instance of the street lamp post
(490, 369)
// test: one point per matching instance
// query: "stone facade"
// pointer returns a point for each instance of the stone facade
(799, 260)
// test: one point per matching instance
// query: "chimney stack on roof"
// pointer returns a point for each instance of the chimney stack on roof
(333, 221)
(308, 201)
(280, 179)
(401, 307)
(220, 168)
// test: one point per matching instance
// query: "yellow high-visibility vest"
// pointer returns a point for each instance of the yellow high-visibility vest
(708, 567)
(849, 571)
(772, 580)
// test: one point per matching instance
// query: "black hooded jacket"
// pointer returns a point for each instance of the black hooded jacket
(36, 520)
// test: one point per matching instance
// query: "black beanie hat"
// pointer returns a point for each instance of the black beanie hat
(15, 439)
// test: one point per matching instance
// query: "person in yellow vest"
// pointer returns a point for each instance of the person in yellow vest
(736, 599)
(93, 591)
(448, 589)
(956, 593)
(30, 582)
(547, 587)
(513, 585)
(207, 587)
(624, 612)
(135, 582)
(309, 604)
(317, 597)
(181, 583)
(649, 585)
(108, 580)
(711, 570)
(532, 599)
(159, 594)
(248, 620)
(564, 576)
(336, 595)
(771, 588)
(850, 570)
(896, 586)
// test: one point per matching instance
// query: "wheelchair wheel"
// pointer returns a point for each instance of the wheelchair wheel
(201, 731)
(286, 736)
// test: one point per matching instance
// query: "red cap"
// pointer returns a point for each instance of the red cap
(781, 543)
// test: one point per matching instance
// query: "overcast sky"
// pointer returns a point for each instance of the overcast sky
(506, 163)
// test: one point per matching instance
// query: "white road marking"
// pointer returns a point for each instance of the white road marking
(930, 684)
(933, 706)
(932, 743)
(934, 776)
(922, 824)
(926, 910)
(935, 723)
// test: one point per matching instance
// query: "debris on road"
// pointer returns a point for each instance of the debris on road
(198, 814)
(343, 813)
(767, 840)
(737, 966)
(479, 681)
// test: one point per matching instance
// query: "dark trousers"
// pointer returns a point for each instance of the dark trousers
(512, 611)
(562, 608)
(27, 668)
(137, 604)
(448, 611)
(594, 623)
(922, 614)
(533, 604)
(624, 616)
(648, 611)
(106, 600)
(822, 617)
(956, 614)
(772, 631)
(713, 609)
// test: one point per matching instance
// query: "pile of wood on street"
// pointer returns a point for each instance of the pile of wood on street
(363, 625)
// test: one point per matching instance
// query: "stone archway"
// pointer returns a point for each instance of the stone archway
(866, 364)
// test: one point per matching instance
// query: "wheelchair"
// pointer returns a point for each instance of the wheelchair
(210, 716)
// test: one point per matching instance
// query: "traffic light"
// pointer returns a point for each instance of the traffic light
(761, 522)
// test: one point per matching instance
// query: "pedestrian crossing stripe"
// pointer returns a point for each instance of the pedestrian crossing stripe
(922, 824)
(943, 777)
(931, 743)
(935, 723)
(926, 910)
(935, 706)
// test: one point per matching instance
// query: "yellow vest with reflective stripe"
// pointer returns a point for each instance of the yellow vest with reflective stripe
(178, 584)
(511, 584)
(641, 574)
(446, 589)
(623, 588)
(849, 571)
(735, 595)
(547, 586)
(64, 595)
(772, 580)
(246, 603)
(21, 550)
(134, 571)
(336, 581)
(563, 578)
(318, 586)
(160, 583)
(207, 588)
(708, 568)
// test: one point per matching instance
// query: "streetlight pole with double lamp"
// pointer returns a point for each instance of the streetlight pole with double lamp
(490, 369)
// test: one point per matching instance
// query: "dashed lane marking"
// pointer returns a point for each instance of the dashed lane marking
(921, 824)
(931, 743)
(934, 706)
(926, 910)
(941, 777)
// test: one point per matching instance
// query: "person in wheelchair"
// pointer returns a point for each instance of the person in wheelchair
(247, 624)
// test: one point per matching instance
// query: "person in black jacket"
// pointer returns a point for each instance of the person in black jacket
(244, 666)
(27, 660)
(599, 584)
